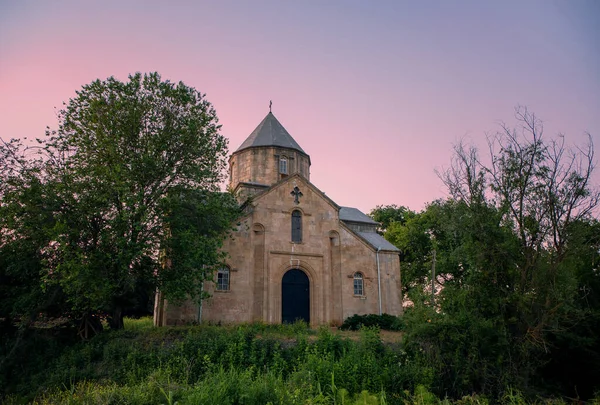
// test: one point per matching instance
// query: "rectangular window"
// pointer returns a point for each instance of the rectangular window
(296, 227)
(283, 166)
(223, 279)
(358, 284)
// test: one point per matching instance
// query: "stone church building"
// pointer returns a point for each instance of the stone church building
(296, 254)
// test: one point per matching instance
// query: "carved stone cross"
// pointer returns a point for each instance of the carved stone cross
(297, 194)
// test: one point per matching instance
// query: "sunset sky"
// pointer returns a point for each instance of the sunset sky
(376, 92)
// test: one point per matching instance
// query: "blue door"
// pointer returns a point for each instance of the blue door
(295, 297)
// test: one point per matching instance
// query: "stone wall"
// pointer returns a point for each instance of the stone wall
(262, 257)
(235, 305)
(261, 251)
(261, 165)
(330, 253)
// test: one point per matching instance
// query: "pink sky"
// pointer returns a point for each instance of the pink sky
(375, 92)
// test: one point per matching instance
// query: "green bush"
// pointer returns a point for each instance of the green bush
(383, 321)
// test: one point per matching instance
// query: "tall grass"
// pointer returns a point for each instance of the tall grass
(140, 324)
(244, 364)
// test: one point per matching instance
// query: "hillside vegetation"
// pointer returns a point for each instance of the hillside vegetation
(207, 364)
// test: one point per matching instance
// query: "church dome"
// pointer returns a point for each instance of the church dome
(270, 132)
(267, 156)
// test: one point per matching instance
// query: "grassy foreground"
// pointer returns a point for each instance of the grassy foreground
(248, 364)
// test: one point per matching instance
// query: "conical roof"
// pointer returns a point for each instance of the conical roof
(270, 132)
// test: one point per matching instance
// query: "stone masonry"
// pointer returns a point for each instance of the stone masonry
(337, 245)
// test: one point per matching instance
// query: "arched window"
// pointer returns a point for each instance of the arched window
(223, 279)
(358, 284)
(296, 226)
(283, 165)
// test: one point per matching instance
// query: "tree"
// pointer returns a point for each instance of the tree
(26, 223)
(195, 220)
(411, 233)
(27, 203)
(519, 264)
(574, 364)
(388, 214)
(541, 187)
(119, 153)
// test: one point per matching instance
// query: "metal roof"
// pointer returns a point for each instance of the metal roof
(270, 132)
(355, 215)
(377, 241)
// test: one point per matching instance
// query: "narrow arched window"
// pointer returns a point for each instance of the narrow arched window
(296, 226)
(223, 279)
(358, 284)
(283, 165)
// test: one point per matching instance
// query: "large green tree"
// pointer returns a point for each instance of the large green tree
(541, 187)
(389, 214)
(26, 222)
(123, 157)
(516, 266)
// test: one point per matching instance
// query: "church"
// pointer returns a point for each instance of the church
(296, 254)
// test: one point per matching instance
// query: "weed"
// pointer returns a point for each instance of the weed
(243, 364)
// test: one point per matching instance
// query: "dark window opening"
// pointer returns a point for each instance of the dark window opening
(296, 226)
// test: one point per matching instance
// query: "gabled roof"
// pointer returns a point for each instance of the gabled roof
(296, 177)
(346, 214)
(270, 132)
(350, 214)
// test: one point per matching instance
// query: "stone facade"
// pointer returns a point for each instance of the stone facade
(261, 165)
(338, 248)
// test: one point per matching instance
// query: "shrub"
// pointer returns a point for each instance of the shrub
(383, 321)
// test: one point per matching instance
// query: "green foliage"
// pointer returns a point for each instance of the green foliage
(140, 324)
(516, 254)
(387, 215)
(230, 365)
(27, 204)
(575, 349)
(383, 321)
(132, 170)
(249, 364)
(197, 221)
(413, 238)
(467, 353)
(124, 148)
(190, 361)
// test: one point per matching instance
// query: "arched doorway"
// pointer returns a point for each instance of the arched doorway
(295, 297)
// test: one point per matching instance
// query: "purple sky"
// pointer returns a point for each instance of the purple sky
(376, 92)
